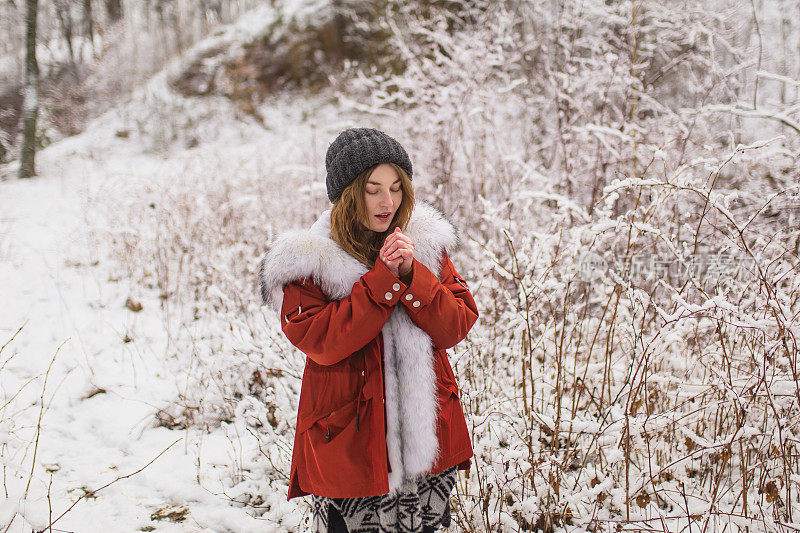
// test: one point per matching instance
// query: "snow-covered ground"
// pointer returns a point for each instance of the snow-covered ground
(110, 374)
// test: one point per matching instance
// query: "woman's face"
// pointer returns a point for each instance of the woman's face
(382, 196)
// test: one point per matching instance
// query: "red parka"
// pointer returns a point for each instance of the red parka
(343, 446)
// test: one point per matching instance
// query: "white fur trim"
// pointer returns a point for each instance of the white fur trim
(409, 376)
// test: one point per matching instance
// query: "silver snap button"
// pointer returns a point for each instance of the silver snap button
(388, 295)
(396, 286)
(416, 303)
(409, 296)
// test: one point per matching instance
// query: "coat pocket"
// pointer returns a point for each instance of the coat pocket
(332, 422)
(327, 391)
(344, 455)
(337, 420)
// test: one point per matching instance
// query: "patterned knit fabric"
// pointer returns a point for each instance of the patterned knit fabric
(425, 502)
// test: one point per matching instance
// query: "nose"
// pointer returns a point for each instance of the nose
(386, 199)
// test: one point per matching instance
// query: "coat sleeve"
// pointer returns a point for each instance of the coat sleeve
(329, 331)
(444, 310)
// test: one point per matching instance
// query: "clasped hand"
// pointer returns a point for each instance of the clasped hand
(397, 252)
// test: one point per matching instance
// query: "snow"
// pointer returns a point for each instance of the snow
(71, 310)
(193, 397)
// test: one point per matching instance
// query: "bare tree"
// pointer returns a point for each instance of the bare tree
(64, 15)
(27, 167)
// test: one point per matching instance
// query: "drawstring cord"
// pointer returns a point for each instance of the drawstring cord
(362, 380)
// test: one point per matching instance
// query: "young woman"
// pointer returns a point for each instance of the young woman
(370, 295)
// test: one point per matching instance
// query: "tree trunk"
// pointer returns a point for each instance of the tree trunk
(65, 21)
(88, 23)
(30, 108)
(114, 10)
(176, 28)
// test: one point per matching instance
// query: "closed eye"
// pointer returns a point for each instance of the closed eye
(376, 192)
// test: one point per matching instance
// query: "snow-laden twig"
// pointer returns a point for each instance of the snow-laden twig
(744, 111)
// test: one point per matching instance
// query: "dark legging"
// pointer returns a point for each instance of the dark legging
(336, 522)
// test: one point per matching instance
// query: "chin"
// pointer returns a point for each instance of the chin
(381, 227)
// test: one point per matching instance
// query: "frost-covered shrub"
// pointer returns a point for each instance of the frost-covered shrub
(633, 241)
(629, 230)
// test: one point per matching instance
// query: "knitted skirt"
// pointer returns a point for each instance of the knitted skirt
(424, 502)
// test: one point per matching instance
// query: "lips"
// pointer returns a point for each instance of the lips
(383, 217)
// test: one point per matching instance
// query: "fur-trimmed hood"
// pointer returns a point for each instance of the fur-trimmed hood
(409, 376)
(312, 254)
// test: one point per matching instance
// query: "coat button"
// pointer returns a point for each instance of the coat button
(388, 295)
(409, 296)
(416, 303)
(396, 287)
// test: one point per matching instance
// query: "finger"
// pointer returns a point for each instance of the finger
(390, 239)
(400, 252)
(405, 239)
(399, 235)
(392, 248)
(389, 242)
(406, 249)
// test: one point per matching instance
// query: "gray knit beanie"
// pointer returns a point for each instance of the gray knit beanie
(357, 149)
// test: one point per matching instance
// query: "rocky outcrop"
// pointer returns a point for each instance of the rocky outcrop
(303, 49)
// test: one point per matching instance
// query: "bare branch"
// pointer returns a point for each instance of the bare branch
(120, 478)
